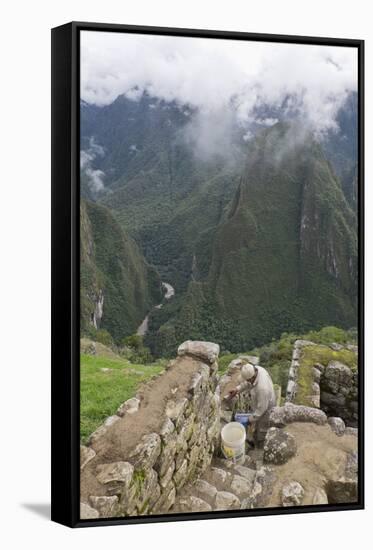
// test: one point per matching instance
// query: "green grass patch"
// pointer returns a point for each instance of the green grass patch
(224, 361)
(324, 354)
(101, 392)
(318, 354)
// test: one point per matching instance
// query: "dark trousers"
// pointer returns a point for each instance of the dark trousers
(256, 432)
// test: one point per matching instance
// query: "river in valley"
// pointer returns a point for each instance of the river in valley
(169, 292)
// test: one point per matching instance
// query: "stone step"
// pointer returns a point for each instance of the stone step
(223, 486)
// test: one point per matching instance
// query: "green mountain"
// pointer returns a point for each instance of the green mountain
(118, 287)
(284, 258)
(162, 192)
(341, 148)
(257, 241)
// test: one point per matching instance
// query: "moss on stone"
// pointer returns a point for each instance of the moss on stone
(323, 355)
(304, 384)
(142, 509)
(138, 480)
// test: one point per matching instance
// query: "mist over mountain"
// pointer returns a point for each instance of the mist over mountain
(253, 224)
(341, 148)
(285, 256)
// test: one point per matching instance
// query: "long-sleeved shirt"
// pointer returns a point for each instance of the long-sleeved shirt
(262, 393)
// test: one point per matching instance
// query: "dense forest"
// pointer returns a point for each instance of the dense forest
(255, 240)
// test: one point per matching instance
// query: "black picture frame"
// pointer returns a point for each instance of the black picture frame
(65, 269)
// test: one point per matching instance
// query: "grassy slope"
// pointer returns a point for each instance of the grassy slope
(102, 392)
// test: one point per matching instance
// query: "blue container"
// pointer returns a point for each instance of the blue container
(242, 418)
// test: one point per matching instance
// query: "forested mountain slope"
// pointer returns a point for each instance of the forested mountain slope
(256, 237)
(118, 287)
(285, 257)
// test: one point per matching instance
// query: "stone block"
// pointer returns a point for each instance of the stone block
(129, 407)
(106, 506)
(166, 478)
(167, 431)
(207, 351)
(241, 486)
(205, 490)
(280, 416)
(279, 446)
(175, 410)
(226, 501)
(146, 452)
(337, 425)
(86, 455)
(180, 475)
(193, 504)
(118, 472)
(320, 496)
(292, 494)
(87, 512)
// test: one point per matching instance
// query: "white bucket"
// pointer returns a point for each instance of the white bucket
(233, 437)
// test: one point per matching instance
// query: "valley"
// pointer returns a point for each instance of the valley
(219, 295)
(170, 291)
(254, 242)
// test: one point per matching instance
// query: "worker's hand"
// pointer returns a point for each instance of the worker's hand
(233, 393)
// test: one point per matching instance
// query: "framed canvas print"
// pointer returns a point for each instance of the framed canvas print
(207, 277)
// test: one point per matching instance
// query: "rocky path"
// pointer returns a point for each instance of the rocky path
(321, 469)
(223, 486)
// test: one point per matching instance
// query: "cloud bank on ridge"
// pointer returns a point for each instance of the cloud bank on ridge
(213, 75)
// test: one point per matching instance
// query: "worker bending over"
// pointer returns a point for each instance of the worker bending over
(258, 382)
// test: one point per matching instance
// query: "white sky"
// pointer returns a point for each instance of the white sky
(211, 74)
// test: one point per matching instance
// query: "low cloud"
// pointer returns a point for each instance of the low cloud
(94, 176)
(267, 121)
(210, 133)
(221, 83)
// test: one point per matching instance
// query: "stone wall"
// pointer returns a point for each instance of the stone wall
(147, 478)
(333, 387)
(313, 394)
(339, 392)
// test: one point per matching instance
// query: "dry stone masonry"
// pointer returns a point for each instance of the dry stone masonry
(314, 390)
(149, 477)
(227, 486)
(339, 392)
(332, 387)
(175, 465)
(268, 476)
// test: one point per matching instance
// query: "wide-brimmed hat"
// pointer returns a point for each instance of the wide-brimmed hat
(248, 371)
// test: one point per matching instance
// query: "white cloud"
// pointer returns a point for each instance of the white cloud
(212, 75)
(267, 121)
(248, 135)
(87, 156)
